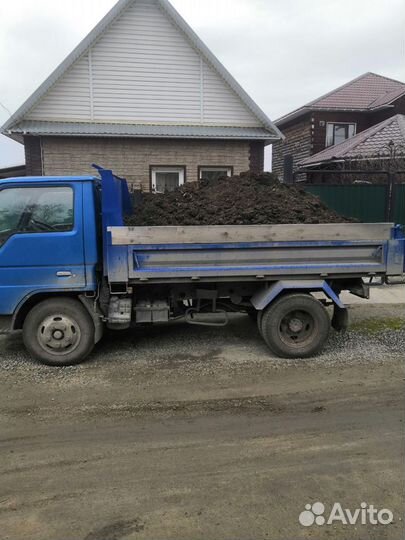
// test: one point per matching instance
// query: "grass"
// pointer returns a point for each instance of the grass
(374, 326)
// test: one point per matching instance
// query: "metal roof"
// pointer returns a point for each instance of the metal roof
(368, 143)
(366, 93)
(42, 179)
(12, 167)
(176, 18)
(30, 127)
(18, 170)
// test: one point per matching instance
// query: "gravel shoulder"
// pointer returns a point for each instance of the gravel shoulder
(185, 432)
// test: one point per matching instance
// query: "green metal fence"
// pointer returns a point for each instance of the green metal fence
(366, 202)
(399, 204)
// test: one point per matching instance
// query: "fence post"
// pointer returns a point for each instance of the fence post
(390, 197)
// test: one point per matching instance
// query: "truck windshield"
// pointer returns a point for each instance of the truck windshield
(35, 210)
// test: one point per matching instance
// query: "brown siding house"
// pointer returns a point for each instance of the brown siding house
(374, 146)
(144, 96)
(13, 171)
(336, 117)
(297, 143)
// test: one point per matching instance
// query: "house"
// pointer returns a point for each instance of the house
(334, 118)
(143, 95)
(12, 171)
(377, 141)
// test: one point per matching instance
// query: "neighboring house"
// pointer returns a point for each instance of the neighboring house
(143, 95)
(336, 117)
(12, 171)
(372, 143)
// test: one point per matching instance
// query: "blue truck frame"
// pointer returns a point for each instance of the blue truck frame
(118, 276)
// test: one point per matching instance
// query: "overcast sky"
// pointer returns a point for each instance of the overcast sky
(283, 52)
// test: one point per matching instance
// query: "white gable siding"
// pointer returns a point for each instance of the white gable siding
(144, 70)
(221, 105)
(69, 98)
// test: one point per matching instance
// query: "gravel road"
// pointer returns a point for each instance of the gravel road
(180, 432)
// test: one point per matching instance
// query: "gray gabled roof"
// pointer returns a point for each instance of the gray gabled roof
(89, 40)
(82, 129)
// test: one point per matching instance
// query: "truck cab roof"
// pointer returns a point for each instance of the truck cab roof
(33, 179)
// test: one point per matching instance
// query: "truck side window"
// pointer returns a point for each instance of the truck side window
(35, 210)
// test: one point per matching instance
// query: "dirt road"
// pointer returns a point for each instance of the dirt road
(196, 433)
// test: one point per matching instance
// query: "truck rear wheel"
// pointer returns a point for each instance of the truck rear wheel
(295, 326)
(59, 332)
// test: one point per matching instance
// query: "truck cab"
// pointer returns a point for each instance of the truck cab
(49, 249)
(48, 238)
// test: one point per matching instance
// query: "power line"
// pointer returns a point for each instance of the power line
(5, 108)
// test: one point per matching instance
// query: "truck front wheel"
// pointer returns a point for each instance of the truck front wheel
(295, 326)
(59, 332)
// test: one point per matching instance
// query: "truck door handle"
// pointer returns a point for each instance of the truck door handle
(64, 274)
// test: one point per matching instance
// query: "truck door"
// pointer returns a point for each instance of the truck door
(41, 240)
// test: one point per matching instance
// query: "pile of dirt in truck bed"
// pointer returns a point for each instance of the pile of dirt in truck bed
(247, 199)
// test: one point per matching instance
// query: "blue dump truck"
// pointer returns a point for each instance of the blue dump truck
(69, 268)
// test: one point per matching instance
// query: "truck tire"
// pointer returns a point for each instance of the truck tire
(295, 326)
(59, 332)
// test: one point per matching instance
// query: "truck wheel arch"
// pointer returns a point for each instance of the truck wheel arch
(266, 295)
(29, 302)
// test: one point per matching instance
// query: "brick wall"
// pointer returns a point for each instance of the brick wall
(298, 142)
(132, 158)
(256, 156)
(33, 156)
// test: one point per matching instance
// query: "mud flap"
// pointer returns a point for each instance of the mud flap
(340, 319)
(97, 317)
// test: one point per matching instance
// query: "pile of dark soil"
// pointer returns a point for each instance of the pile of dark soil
(247, 199)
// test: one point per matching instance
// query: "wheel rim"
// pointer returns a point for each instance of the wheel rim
(297, 328)
(59, 334)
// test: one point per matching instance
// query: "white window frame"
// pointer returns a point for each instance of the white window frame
(339, 124)
(167, 169)
(226, 169)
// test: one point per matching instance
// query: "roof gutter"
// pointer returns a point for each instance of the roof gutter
(19, 135)
(301, 112)
(380, 108)
(342, 160)
(326, 162)
(292, 116)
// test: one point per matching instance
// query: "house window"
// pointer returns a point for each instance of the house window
(167, 178)
(213, 173)
(337, 133)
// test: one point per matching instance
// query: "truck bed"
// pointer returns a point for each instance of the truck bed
(257, 252)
